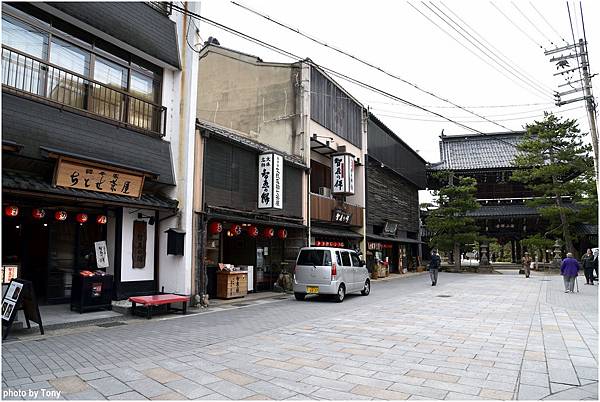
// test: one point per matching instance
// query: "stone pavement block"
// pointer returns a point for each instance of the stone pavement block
(271, 390)
(278, 364)
(351, 370)
(295, 386)
(94, 375)
(533, 378)
(575, 393)
(86, 370)
(379, 393)
(464, 389)
(235, 377)
(69, 385)
(584, 361)
(109, 386)
(125, 374)
(418, 397)
(161, 375)
(328, 383)
(300, 397)
(230, 390)
(336, 395)
(587, 373)
(495, 394)
(201, 377)
(284, 374)
(372, 382)
(148, 387)
(401, 378)
(458, 396)
(169, 396)
(557, 387)
(43, 377)
(127, 396)
(566, 375)
(18, 381)
(533, 365)
(311, 371)
(433, 376)
(532, 392)
(89, 395)
(188, 388)
(258, 397)
(213, 397)
(207, 366)
(309, 362)
(427, 392)
(536, 356)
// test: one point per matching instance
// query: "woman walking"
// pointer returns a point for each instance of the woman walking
(526, 261)
(589, 263)
(569, 270)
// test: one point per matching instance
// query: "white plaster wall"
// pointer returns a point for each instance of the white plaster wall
(111, 227)
(128, 273)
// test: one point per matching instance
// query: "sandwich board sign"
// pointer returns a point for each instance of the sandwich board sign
(20, 296)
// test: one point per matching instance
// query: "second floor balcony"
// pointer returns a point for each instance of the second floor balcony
(26, 75)
(322, 209)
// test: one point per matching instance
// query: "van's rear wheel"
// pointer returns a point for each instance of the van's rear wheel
(341, 294)
(367, 289)
(299, 296)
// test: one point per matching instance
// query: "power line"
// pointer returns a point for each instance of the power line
(322, 43)
(497, 52)
(516, 26)
(489, 115)
(472, 52)
(546, 21)
(473, 106)
(532, 23)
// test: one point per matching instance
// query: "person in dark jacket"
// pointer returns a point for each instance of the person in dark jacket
(434, 266)
(589, 263)
(569, 270)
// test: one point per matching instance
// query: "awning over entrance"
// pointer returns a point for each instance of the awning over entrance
(21, 183)
(393, 239)
(254, 218)
(334, 232)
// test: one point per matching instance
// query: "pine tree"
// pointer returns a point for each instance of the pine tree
(555, 163)
(449, 224)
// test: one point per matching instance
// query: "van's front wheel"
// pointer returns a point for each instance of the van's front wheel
(299, 296)
(341, 294)
(367, 289)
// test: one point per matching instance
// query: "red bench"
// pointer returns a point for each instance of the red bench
(158, 300)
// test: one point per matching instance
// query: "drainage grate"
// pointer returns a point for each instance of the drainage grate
(443, 296)
(111, 324)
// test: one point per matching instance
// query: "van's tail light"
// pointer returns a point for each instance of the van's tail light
(333, 271)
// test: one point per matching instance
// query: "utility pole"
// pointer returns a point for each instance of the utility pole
(585, 86)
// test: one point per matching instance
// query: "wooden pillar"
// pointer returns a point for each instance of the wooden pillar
(513, 250)
(518, 250)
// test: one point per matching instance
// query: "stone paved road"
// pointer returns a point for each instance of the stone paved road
(471, 337)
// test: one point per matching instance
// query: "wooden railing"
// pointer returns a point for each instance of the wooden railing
(27, 75)
(321, 209)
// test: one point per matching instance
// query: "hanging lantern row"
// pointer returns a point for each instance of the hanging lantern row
(40, 213)
(252, 231)
(320, 243)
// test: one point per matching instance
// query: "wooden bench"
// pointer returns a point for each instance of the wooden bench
(158, 300)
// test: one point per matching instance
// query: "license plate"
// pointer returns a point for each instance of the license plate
(312, 289)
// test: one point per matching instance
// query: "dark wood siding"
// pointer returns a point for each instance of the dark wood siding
(390, 198)
(333, 109)
(231, 180)
(389, 150)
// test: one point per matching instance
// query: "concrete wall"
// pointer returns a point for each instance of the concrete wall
(257, 99)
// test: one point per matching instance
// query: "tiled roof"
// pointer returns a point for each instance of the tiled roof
(586, 229)
(477, 151)
(16, 180)
(508, 210)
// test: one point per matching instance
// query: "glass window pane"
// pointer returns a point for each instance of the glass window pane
(346, 259)
(141, 111)
(355, 260)
(105, 101)
(23, 37)
(64, 86)
(142, 87)
(110, 73)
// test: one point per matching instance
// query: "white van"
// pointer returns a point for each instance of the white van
(330, 271)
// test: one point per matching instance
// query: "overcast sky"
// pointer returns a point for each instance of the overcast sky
(396, 37)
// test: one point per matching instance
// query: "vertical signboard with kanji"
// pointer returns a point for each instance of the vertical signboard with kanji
(342, 172)
(270, 181)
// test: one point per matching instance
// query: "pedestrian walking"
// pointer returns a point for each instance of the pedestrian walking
(569, 269)
(526, 261)
(434, 266)
(588, 262)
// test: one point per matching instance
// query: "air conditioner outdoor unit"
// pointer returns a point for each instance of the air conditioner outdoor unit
(325, 191)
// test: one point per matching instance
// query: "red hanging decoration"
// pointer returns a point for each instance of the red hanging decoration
(252, 231)
(235, 229)
(101, 219)
(282, 233)
(11, 210)
(81, 218)
(268, 232)
(38, 213)
(318, 243)
(60, 215)
(215, 227)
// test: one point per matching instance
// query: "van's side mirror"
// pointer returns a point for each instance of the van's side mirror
(362, 263)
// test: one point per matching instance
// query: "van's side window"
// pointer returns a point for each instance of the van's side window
(327, 261)
(346, 259)
(339, 258)
(355, 259)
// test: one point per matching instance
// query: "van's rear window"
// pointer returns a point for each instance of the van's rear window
(316, 257)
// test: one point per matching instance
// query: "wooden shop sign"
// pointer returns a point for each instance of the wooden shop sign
(92, 177)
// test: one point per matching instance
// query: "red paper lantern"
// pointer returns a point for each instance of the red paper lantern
(253, 231)
(235, 230)
(81, 218)
(318, 243)
(60, 215)
(11, 210)
(268, 232)
(38, 213)
(101, 219)
(282, 233)
(215, 227)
